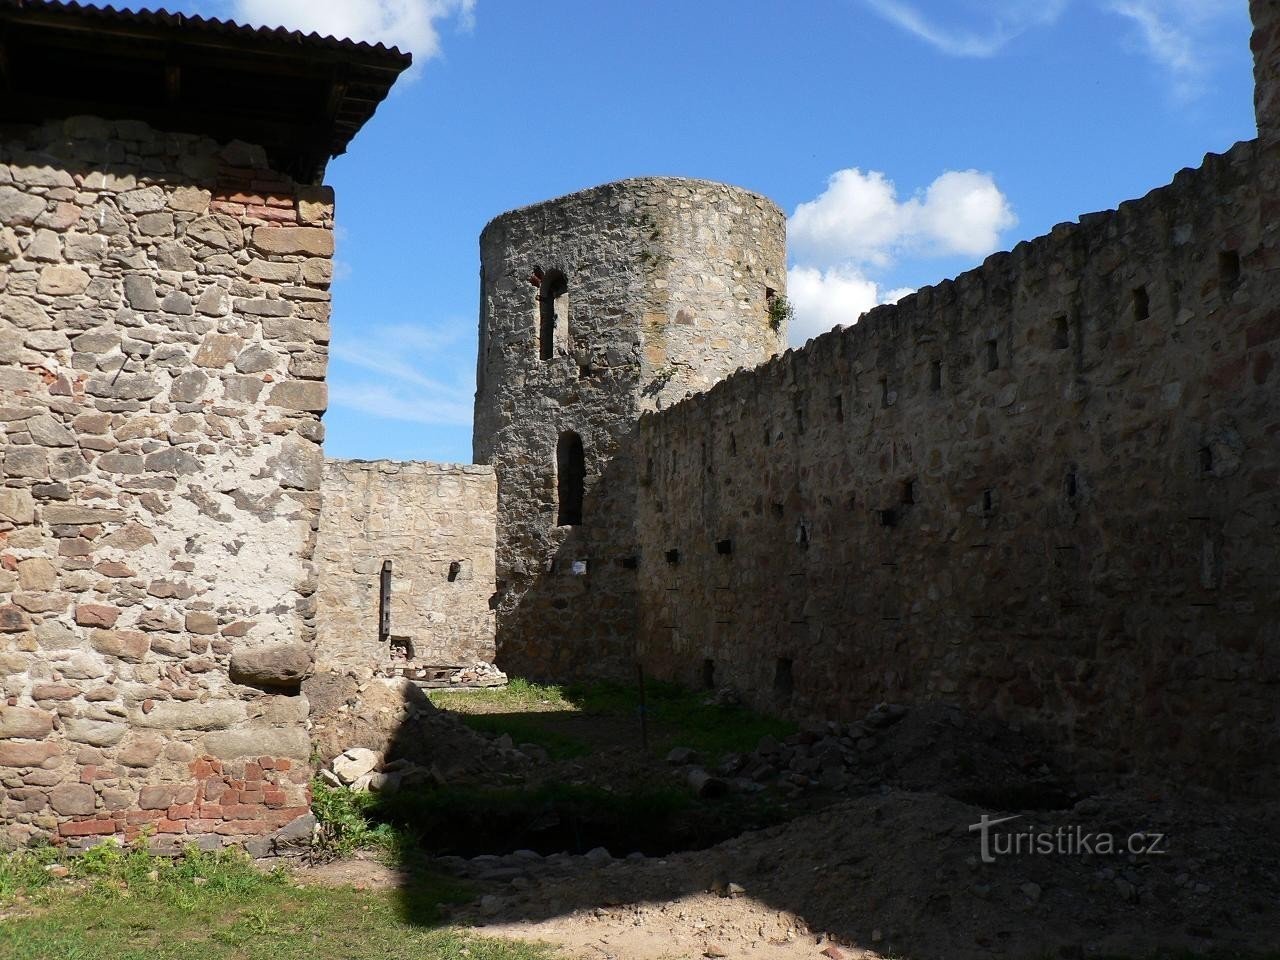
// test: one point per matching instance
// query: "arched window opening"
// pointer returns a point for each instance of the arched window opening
(571, 476)
(553, 311)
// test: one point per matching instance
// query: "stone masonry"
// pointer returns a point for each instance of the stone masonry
(435, 524)
(664, 289)
(1049, 489)
(164, 315)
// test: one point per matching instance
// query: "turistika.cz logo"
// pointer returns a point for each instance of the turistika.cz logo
(1065, 841)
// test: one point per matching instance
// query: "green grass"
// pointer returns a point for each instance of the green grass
(680, 717)
(519, 694)
(529, 712)
(125, 905)
(527, 728)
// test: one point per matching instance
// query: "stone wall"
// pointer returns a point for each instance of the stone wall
(164, 315)
(1266, 66)
(435, 523)
(1049, 489)
(664, 292)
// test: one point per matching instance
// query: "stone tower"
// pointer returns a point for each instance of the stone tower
(596, 308)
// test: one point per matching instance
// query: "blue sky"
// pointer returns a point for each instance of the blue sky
(906, 138)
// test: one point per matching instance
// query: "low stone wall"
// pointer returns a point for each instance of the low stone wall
(1048, 489)
(435, 523)
(164, 314)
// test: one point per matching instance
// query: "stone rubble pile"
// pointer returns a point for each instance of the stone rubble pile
(936, 746)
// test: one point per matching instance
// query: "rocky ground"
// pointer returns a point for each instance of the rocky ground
(878, 858)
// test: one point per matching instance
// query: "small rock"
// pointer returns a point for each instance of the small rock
(57, 870)
(354, 764)
(834, 953)
(681, 756)
(705, 785)
(1031, 891)
(598, 856)
(733, 891)
(715, 950)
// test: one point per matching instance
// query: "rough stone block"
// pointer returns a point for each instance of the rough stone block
(25, 723)
(278, 665)
(292, 742)
(306, 241)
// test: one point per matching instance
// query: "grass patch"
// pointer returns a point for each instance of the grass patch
(680, 717)
(126, 905)
(533, 713)
(519, 694)
(527, 728)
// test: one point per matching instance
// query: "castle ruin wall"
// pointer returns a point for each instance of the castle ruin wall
(164, 321)
(1049, 489)
(434, 523)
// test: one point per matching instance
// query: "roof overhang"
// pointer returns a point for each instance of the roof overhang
(301, 97)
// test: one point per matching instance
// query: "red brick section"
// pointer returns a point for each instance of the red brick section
(240, 798)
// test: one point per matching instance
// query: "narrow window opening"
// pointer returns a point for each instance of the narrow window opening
(768, 435)
(1072, 484)
(993, 355)
(553, 310)
(724, 547)
(384, 601)
(630, 563)
(802, 534)
(571, 476)
(884, 391)
(935, 376)
(908, 492)
(988, 501)
(459, 570)
(708, 674)
(778, 510)
(1206, 460)
(799, 420)
(837, 402)
(1141, 303)
(1061, 334)
(673, 557)
(733, 445)
(1229, 268)
(889, 518)
(783, 679)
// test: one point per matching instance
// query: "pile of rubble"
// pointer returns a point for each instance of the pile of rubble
(936, 747)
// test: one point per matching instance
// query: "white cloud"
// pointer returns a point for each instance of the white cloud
(825, 298)
(860, 219)
(397, 354)
(1173, 35)
(411, 25)
(970, 28)
(858, 226)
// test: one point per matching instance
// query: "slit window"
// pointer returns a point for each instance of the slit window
(708, 674)
(571, 477)
(988, 501)
(1061, 334)
(993, 355)
(935, 376)
(1206, 460)
(837, 403)
(908, 492)
(783, 679)
(1141, 303)
(553, 311)
(384, 601)
(1228, 268)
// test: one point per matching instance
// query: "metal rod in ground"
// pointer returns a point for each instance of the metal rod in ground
(644, 712)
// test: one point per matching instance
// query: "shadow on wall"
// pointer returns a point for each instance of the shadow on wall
(574, 616)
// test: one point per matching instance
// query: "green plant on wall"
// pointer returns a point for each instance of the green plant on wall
(780, 311)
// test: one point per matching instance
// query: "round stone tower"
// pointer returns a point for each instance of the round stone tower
(595, 308)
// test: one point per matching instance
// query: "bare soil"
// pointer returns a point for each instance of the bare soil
(885, 863)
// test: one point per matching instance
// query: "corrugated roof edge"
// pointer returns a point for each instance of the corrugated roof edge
(208, 24)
